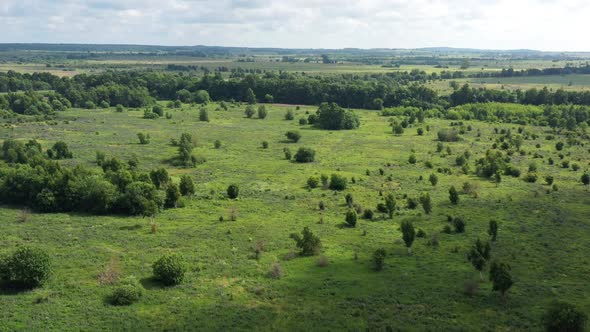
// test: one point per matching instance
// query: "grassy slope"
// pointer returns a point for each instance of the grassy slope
(543, 236)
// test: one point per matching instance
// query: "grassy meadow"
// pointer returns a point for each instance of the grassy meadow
(543, 234)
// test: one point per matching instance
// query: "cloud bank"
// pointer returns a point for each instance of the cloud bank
(493, 24)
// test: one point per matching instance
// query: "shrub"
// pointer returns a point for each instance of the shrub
(203, 115)
(351, 218)
(275, 271)
(169, 269)
(549, 180)
(233, 191)
(562, 316)
(89, 105)
(459, 225)
(412, 159)
(187, 186)
(420, 233)
(264, 144)
(379, 259)
(448, 135)
(217, 144)
(129, 292)
(262, 113)
(143, 138)
(308, 243)
(289, 115)
(293, 136)
(398, 129)
(27, 268)
(470, 288)
(120, 108)
(323, 261)
(368, 214)
(313, 182)
(302, 121)
(337, 182)
(420, 131)
(249, 111)
(287, 153)
(559, 146)
(433, 179)
(453, 195)
(172, 195)
(158, 109)
(530, 177)
(149, 114)
(305, 155)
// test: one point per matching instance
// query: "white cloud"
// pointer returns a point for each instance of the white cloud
(499, 24)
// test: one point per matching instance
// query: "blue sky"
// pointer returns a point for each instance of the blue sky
(552, 25)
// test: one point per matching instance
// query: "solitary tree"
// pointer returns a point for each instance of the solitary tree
(351, 218)
(250, 97)
(426, 203)
(478, 255)
(500, 277)
(433, 179)
(390, 205)
(379, 259)
(408, 234)
(293, 136)
(203, 115)
(308, 243)
(453, 195)
(262, 113)
(233, 191)
(249, 112)
(493, 230)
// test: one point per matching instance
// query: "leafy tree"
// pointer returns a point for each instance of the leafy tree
(262, 112)
(293, 136)
(172, 195)
(453, 195)
(185, 150)
(142, 198)
(269, 98)
(249, 111)
(305, 155)
(408, 234)
(159, 177)
(333, 117)
(493, 230)
(308, 243)
(390, 204)
(564, 317)
(379, 259)
(169, 269)
(585, 179)
(397, 129)
(351, 218)
(59, 150)
(250, 97)
(478, 255)
(233, 191)
(426, 203)
(120, 108)
(500, 277)
(187, 186)
(337, 182)
(203, 115)
(201, 97)
(433, 179)
(184, 96)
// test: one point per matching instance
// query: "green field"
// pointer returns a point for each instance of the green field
(543, 234)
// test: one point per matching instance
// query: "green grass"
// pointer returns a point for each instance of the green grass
(542, 236)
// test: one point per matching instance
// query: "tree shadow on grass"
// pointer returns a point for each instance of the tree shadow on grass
(131, 227)
(151, 283)
(8, 288)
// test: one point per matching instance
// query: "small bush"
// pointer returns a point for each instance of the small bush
(293, 136)
(233, 191)
(313, 182)
(379, 259)
(203, 115)
(169, 269)
(289, 115)
(302, 121)
(249, 112)
(562, 316)
(143, 138)
(264, 144)
(287, 153)
(351, 218)
(129, 292)
(308, 243)
(459, 225)
(275, 271)
(368, 214)
(262, 113)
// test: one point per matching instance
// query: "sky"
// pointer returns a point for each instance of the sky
(548, 25)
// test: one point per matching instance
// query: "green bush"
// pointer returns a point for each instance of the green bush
(262, 112)
(313, 182)
(351, 218)
(308, 243)
(305, 155)
(169, 269)
(27, 268)
(187, 186)
(293, 136)
(233, 191)
(127, 293)
(562, 317)
(379, 259)
(337, 182)
(203, 115)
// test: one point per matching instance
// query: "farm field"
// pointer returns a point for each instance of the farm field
(542, 233)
